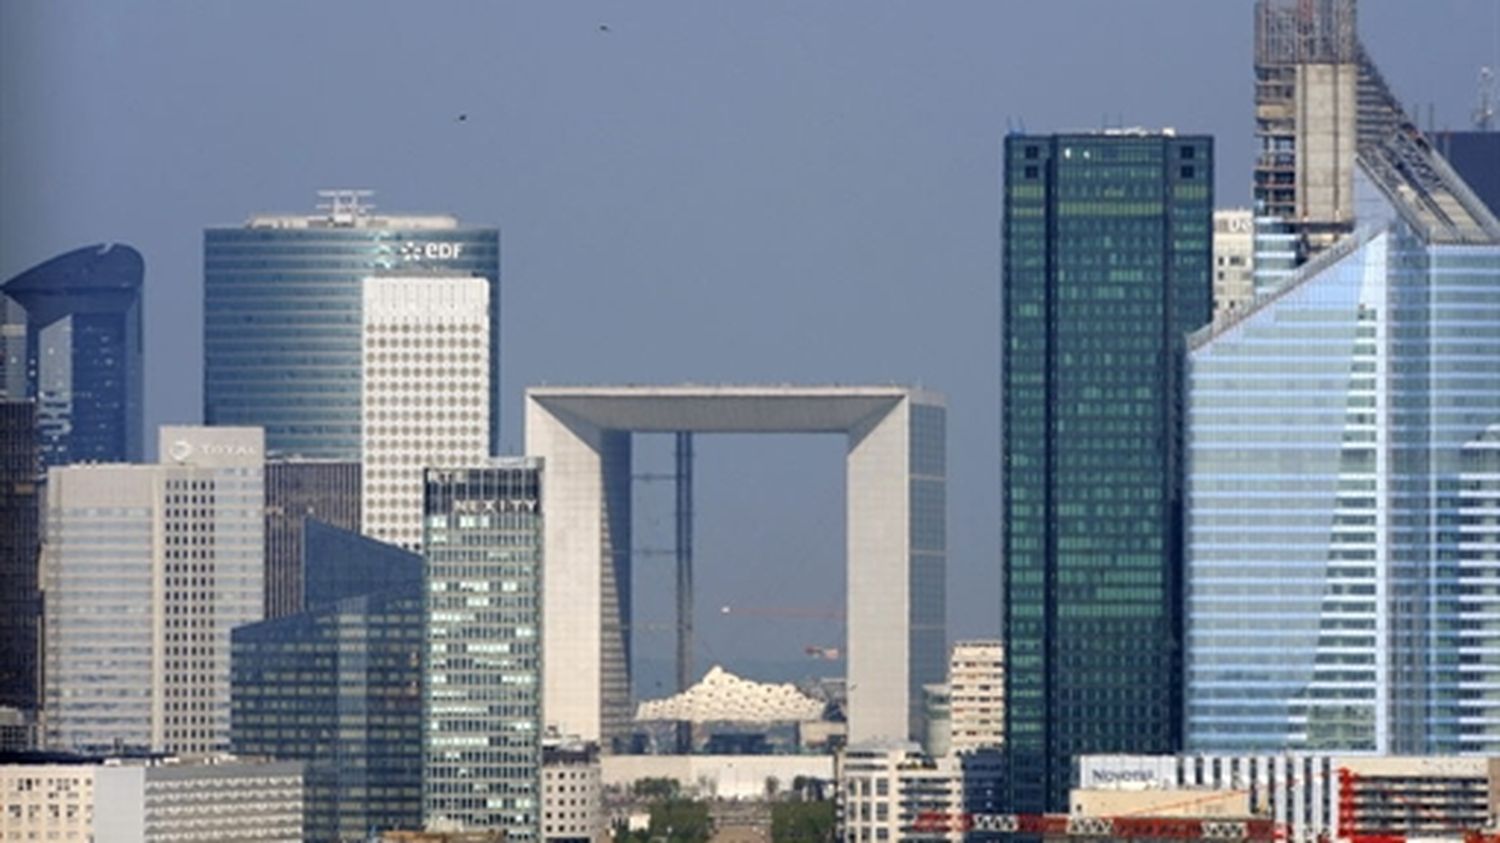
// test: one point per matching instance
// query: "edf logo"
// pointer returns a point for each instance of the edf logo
(431, 251)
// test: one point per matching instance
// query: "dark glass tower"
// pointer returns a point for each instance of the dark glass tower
(295, 492)
(1107, 267)
(20, 601)
(83, 353)
(339, 686)
(282, 320)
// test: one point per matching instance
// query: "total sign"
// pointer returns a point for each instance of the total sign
(432, 251)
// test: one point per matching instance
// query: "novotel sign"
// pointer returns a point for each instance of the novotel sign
(1098, 776)
(432, 251)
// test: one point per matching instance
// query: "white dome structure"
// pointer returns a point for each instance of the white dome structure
(722, 697)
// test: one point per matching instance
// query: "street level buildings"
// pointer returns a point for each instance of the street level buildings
(894, 792)
(426, 351)
(156, 800)
(482, 689)
(145, 570)
(1107, 267)
(282, 315)
(1342, 574)
(297, 490)
(572, 792)
(1307, 797)
(82, 355)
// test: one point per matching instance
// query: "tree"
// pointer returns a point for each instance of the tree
(802, 822)
(680, 821)
(657, 788)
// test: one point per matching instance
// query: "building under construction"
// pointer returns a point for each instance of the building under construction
(1320, 104)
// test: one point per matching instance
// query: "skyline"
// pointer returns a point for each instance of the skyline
(884, 208)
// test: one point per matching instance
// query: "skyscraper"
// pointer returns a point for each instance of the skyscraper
(82, 357)
(145, 570)
(338, 686)
(20, 599)
(426, 344)
(295, 491)
(1342, 576)
(481, 698)
(1234, 260)
(281, 333)
(1106, 269)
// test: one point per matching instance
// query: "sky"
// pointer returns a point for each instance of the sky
(771, 191)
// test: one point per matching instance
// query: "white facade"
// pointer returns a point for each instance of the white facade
(146, 568)
(976, 695)
(1318, 797)
(1234, 261)
(891, 793)
(896, 540)
(425, 399)
(220, 800)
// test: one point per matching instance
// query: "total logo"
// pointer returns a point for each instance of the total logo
(182, 450)
(431, 251)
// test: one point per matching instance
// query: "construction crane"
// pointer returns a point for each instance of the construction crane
(802, 612)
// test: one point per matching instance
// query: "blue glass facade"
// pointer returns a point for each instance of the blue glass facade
(1342, 591)
(282, 319)
(338, 686)
(83, 353)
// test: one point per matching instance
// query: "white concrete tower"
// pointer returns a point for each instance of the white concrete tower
(425, 400)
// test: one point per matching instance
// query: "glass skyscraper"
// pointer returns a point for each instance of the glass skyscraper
(282, 316)
(482, 705)
(1107, 267)
(82, 358)
(297, 490)
(339, 686)
(20, 597)
(1343, 576)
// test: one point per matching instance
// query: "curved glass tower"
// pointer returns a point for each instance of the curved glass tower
(83, 353)
(281, 326)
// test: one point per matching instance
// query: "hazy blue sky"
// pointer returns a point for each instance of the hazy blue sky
(759, 191)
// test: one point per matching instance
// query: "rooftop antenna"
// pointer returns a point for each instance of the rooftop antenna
(345, 206)
(1484, 109)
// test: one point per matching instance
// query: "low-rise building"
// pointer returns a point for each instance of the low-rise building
(59, 798)
(896, 792)
(1307, 797)
(572, 793)
(976, 696)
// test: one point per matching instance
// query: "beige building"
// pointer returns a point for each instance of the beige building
(207, 800)
(976, 696)
(572, 793)
(1234, 261)
(896, 792)
(426, 393)
(145, 570)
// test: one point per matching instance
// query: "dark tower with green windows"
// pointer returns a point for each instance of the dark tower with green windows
(1107, 266)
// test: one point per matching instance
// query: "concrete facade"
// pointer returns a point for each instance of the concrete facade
(976, 695)
(146, 569)
(1234, 260)
(426, 403)
(716, 776)
(896, 541)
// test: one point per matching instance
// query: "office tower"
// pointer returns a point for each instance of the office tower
(281, 331)
(20, 599)
(426, 344)
(1341, 579)
(295, 491)
(145, 570)
(1106, 268)
(481, 700)
(1234, 261)
(12, 350)
(976, 695)
(82, 353)
(1473, 155)
(572, 791)
(338, 686)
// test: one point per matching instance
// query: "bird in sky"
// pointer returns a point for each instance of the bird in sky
(462, 118)
(603, 27)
